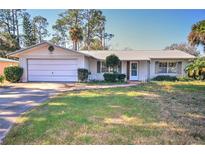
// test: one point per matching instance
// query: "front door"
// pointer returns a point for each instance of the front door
(133, 71)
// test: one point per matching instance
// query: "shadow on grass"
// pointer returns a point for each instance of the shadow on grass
(145, 114)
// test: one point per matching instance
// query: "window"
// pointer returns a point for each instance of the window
(167, 67)
(103, 68)
(162, 67)
(172, 67)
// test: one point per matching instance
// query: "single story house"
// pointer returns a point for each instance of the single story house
(4, 62)
(48, 62)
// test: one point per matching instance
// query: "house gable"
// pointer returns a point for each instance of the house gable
(41, 50)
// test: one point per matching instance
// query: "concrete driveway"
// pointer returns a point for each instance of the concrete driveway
(17, 98)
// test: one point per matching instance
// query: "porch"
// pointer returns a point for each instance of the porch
(134, 70)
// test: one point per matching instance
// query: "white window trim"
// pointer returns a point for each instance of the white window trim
(109, 69)
(169, 67)
(167, 73)
(101, 67)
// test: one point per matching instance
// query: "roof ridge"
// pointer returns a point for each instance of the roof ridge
(125, 50)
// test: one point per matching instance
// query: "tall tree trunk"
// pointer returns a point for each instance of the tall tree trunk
(101, 38)
(34, 31)
(104, 43)
(88, 38)
(76, 19)
(13, 21)
(17, 27)
(103, 34)
(8, 23)
(76, 45)
(88, 34)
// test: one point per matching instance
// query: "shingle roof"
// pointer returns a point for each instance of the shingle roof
(123, 55)
(140, 54)
(7, 60)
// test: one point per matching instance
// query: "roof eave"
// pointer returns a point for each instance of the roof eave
(22, 50)
(44, 42)
(174, 58)
(11, 61)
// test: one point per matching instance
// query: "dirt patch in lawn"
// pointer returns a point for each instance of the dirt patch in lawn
(151, 113)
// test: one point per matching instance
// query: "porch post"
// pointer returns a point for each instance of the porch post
(148, 70)
(128, 70)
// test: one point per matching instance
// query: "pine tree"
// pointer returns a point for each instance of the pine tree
(8, 43)
(40, 25)
(28, 35)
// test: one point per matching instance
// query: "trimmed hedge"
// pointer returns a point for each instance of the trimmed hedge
(121, 77)
(113, 77)
(82, 74)
(165, 78)
(109, 77)
(13, 73)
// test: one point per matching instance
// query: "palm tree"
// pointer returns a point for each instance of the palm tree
(197, 35)
(76, 34)
(196, 69)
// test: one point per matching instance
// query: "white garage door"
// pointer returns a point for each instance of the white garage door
(52, 70)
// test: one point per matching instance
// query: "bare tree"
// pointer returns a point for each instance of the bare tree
(183, 47)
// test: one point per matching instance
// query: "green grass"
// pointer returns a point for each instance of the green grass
(151, 113)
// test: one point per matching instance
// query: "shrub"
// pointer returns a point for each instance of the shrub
(203, 76)
(82, 74)
(110, 77)
(196, 69)
(121, 77)
(185, 78)
(13, 73)
(1, 78)
(165, 78)
(113, 77)
(112, 61)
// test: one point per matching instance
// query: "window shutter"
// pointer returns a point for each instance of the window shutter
(120, 67)
(179, 68)
(98, 66)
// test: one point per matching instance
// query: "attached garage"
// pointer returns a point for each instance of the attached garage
(46, 62)
(52, 70)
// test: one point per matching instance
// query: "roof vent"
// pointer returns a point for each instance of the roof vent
(51, 49)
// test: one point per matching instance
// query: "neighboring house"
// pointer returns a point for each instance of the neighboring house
(61, 64)
(5, 63)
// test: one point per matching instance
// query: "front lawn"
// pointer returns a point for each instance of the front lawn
(150, 113)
